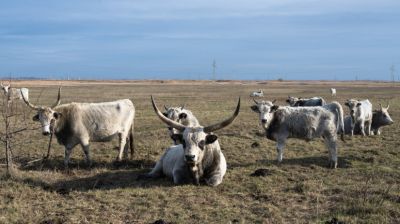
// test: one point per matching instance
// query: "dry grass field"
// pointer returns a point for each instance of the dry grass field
(364, 188)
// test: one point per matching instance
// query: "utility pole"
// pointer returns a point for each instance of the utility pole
(214, 65)
(392, 72)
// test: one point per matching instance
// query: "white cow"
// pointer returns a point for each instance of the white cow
(361, 114)
(333, 92)
(14, 93)
(258, 93)
(80, 123)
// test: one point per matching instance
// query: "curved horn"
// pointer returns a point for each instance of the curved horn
(273, 101)
(28, 103)
(224, 123)
(166, 120)
(183, 106)
(380, 105)
(255, 101)
(165, 107)
(387, 108)
(58, 98)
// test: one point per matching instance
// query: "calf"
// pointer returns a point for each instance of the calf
(281, 123)
(302, 102)
(361, 114)
(198, 157)
(182, 116)
(380, 118)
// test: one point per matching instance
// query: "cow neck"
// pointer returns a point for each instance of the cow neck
(211, 158)
(274, 125)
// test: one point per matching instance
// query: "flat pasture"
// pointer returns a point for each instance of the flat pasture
(363, 189)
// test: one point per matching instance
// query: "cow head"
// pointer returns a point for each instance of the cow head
(353, 106)
(266, 110)
(292, 100)
(5, 88)
(47, 116)
(195, 139)
(382, 116)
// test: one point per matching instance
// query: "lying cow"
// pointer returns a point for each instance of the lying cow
(361, 115)
(14, 93)
(80, 123)
(258, 93)
(182, 116)
(281, 123)
(303, 102)
(380, 118)
(199, 157)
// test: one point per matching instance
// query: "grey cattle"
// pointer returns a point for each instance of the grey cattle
(303, 102)
(281, 123)
(333, 92)
(79, 123)
(182, 116)
(361, 115)
(14, 93)
(380, 118)
(199, 157)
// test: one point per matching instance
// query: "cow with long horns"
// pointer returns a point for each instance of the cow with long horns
(80, 123)
(199, 157)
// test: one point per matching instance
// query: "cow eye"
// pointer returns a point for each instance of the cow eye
(201, 144)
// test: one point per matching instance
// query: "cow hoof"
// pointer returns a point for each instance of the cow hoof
(332, 165)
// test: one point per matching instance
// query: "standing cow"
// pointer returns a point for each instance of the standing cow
(303, 102)
(80, 123)
(333, 92)
(361, 114)
(281, 123)
(182, 116)
(380, 118)
(199, 157)
(14, 93)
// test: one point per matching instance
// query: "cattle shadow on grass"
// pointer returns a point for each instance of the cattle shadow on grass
(53, 164)
(102, 181)
(321, 161)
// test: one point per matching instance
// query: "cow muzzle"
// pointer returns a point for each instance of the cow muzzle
(45, 133)
(190, 158)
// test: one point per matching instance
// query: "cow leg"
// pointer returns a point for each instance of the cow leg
(85, 148)
(280, 147)
(369, 127)
(122, 142)
(377, 131)
(330, 143)
(68, 151)
(362, 127)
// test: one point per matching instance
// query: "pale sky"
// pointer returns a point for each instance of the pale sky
(179, 39)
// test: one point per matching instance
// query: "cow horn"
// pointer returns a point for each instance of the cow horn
(58, 98)
(380, 105)
(224, 123)
(183, 106)
(387, 108)
(1, 84)
(166, 108)
(166, 120)
(28, 103)
(273, 101)
(255, 101)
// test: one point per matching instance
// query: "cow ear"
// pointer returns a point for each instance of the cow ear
(347, 104)
(177, 137)
(182, 116)
(255, 108)
(287, 101)
(36, 117)
(274, 108)
(56, 115)
(358, 104)
(210, 138)
(165, 114)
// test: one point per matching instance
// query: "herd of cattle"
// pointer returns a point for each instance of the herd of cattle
(196, 154)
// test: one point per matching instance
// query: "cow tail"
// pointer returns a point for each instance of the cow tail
(131, 145)
(340, 121)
